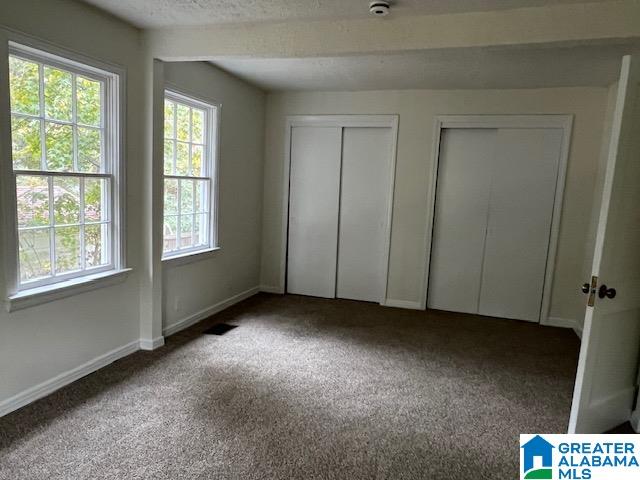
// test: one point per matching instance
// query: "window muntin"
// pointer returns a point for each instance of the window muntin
(63, 167)
(188, 172)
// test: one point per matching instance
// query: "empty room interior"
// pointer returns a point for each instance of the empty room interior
(315, 239)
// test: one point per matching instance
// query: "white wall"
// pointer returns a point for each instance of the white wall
(235, 268)
(38, 343)
(417, 110)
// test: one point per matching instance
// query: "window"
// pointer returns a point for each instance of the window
(65, 167)
(189, 171)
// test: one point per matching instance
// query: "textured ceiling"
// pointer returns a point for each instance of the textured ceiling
(437, 69)
(170, 13)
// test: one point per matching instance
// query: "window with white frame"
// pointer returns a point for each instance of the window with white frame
(189, 172)
(65, 151)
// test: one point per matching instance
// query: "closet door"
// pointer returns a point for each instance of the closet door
(313, 210)
(523, 190)
(366, 155)
(460, 222)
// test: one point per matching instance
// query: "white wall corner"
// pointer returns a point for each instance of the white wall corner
(151, 344)
(271, 289)
(207, 312)
(49, 386)
(389, 302)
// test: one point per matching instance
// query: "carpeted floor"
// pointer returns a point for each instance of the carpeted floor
(306, 389)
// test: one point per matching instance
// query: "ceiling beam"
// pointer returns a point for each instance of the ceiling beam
(580, 23)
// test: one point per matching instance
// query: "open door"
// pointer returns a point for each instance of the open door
(608, 366)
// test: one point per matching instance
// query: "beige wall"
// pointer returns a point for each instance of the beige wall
(235, 268)
(417, 110)
(38, 343)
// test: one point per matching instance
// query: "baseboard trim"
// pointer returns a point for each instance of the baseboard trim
(271, 289)
(564, 323)
(389, 302)
(49, 386)
(207, 312)
(151, 344)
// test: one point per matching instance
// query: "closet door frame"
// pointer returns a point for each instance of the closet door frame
(338, 121)
(562, 122)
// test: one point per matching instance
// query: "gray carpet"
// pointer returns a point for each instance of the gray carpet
(306, 389)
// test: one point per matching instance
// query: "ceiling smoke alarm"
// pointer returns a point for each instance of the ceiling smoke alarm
(379, 8)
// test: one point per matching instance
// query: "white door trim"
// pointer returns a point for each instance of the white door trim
(339, 121)
(564, 122)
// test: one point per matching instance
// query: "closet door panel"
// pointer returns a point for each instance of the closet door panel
(520, 213)
(366, 155)
(462, 202)
(313, 211)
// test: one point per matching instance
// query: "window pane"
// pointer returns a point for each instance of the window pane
(35, 257)
(67, 249)
(89, 101)
(186, 240)
(66, 200)
(168, 156)
(24, 84)
(95, 242)
(201, 230)
(89, 150)
(170, 233)
(95, 198)
(182, 159)
(200, 197)
(183, 123)
(186, 196)
(25, 142)
(169, 112)
(57, 94)
(170, 196)
(59, 143)
(32, 199)
(197, 126)
(196, 160)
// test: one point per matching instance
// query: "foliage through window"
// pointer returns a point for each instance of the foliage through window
(63, 168)
(189, 127)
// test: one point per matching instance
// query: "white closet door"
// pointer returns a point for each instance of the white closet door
(366, 157)
(313, 210)
(462, 205)
(520, 212)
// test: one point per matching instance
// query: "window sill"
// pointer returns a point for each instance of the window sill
(190, 257)
(39, 295)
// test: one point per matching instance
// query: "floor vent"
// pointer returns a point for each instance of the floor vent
(219, 329)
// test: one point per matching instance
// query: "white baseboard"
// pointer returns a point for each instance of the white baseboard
(388, 302)
(207, 312)
(151, 344)
(564, 323)
(49, 386)
(271, 289)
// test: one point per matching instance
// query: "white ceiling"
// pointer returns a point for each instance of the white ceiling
(437, 69)
(171, 13)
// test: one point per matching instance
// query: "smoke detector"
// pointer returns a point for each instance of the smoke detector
(379, 8)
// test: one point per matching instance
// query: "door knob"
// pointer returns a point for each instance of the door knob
(585, 288)
(603, 291)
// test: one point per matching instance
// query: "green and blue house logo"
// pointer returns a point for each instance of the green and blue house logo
(537, 459)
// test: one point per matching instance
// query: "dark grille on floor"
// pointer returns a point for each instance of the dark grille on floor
(219, 329)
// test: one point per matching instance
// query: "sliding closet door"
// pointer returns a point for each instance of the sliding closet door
(366, 159)
(460, 223)
(523, 190)
(313, 210)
